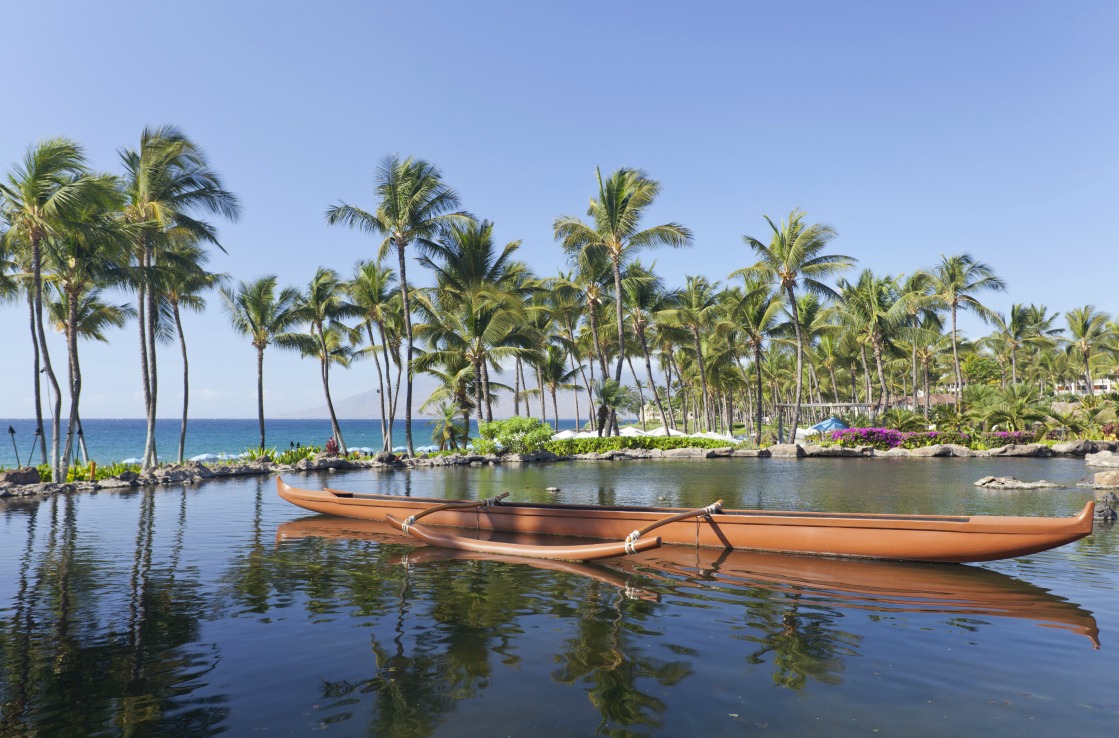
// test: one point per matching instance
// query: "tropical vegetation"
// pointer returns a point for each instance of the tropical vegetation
(787, 338)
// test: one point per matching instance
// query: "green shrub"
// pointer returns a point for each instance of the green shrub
(571, 446)
(514, 435)
(293, 455)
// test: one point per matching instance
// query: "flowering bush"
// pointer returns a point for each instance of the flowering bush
(1110, 431)
(332, 446)
(884, 439)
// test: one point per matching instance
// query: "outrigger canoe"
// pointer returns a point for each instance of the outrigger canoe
(860, 584)
(625, 530)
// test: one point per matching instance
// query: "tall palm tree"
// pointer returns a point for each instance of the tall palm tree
(616, 215)
(414, 203)
(589, 281)
(256, 310)
(323, 307)
(168, 184)
(794, 258)
(1089, 334)
(371, 290)
(954, 284)
(51, 190)
(555, 376)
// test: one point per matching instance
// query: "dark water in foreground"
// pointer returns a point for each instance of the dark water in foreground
(221, 609)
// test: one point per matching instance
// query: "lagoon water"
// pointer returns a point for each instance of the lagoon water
(221, 609)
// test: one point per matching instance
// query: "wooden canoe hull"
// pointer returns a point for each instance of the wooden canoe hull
(940, 538)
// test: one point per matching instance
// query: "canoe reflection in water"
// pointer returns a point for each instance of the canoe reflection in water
(857, 584)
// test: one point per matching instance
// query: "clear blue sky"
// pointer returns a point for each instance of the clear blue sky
(914, 129)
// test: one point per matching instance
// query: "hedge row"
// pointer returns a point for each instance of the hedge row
(885, 439)
(571, 446)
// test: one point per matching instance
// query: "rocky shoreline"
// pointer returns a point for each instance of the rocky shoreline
(25, 482)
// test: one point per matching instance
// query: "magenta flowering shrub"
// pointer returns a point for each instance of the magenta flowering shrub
(885, 439)
(882, 439)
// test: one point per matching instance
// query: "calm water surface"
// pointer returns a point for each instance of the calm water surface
(222, 609)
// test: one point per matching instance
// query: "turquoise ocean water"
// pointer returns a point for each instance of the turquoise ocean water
(111, 440)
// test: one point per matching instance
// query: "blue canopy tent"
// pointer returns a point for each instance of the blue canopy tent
(831, 424)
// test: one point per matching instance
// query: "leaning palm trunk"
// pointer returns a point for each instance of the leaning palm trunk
(387, 395)
(334, 427)
(540, 385)
(380, 386)
(142, 325)
(260, 392)
(400, 245)
(37, 287)
(640, 392)
(75, 377)
(800, 364)
(38, 384)
(885, 392)
(186, 379)
(151, 455)
(555, 407)
(758, 381)
(956, 361)
(603, 410)
(702, 382)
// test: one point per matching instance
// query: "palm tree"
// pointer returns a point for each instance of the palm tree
(589, 281)
(1089, 334)
(255, 310)
(371, 290)
(954, 283)
(555, 376)
(414, 204)
(445, 430)
(616, 215)
(75, 261)
(875, 309)
(696, 310)
(794, 257)
(185, 281)
(168, 182)
(88, 319)
(1016, 407)
(750, 318)
(50, 190)
(645, 295)
(323, 307)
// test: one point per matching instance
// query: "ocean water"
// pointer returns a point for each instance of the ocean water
(112, 440)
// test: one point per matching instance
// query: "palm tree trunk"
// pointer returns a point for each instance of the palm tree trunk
(800, 363)
(617, 266)
(602, 410)
(758, 379)
(37, 291)
(81, 442)
(151, 457)
(885, 397)
(334, 427)
(575, 392)
(142, 324)
(555, 409)
(38, 385)
(520, 369)
(702, 378)
(400, 245)
(260, 392)
(925, 368)
(640, 392)
(486, 391)
(186, 378)
(866, 379)
(517, 386)
(1087, 372)
(540, 384)
(75, 377)
(380, 387)
(913, 358)
(956, 360)
(388, 396)
(479, 395)
(1013, 366)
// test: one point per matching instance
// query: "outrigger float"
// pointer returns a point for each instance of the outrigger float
(625, 530)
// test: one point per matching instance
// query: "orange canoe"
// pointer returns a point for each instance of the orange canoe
(941, 538)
